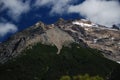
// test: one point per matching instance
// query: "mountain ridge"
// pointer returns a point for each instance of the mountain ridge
(80, 31)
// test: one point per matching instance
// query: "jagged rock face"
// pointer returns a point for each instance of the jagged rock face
(116, 27)
(83, 32)
(95, 36)
(46, 34)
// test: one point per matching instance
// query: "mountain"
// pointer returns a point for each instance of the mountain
(67, 47)
(83, 32)
(95, 36)
(116, 27)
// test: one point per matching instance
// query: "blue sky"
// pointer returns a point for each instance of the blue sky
(16, 15)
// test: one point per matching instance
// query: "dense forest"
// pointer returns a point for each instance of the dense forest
(40, 62)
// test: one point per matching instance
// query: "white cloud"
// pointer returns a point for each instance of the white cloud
(18, 7)
(39, 3)
(15, 7)
(61, 6)
(7, 28)
(99, 11)
(57, 6)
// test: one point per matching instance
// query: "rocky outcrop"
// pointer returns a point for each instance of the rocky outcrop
(96, 36)
(46, 34)
(116, 27)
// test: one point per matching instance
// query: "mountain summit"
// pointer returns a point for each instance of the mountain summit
(64, 32)
(66, 50)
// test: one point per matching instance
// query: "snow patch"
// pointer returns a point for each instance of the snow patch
(118, 62)
(84, 20)
(95, 40)
(84, 24)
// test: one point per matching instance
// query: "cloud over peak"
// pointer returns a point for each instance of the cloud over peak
(7, 28)
(57, 6)
(14, 10)
(99, 11)
(105, 12)
(15, 7)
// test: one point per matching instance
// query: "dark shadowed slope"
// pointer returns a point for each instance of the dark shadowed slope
(42, 63)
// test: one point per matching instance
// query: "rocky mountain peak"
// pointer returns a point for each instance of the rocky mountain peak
(116, 27)
(95, 36)
(60, 20)
(64, 32)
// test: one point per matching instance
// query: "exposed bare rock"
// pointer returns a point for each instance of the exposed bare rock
(58, 37)
(46, 34)
(94, 35)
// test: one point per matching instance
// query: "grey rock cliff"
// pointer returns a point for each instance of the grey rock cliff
(46, 34)
(96, 36)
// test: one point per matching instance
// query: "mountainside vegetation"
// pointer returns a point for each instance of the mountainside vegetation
(40, 62)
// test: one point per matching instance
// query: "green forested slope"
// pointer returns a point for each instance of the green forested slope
(42, 63)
